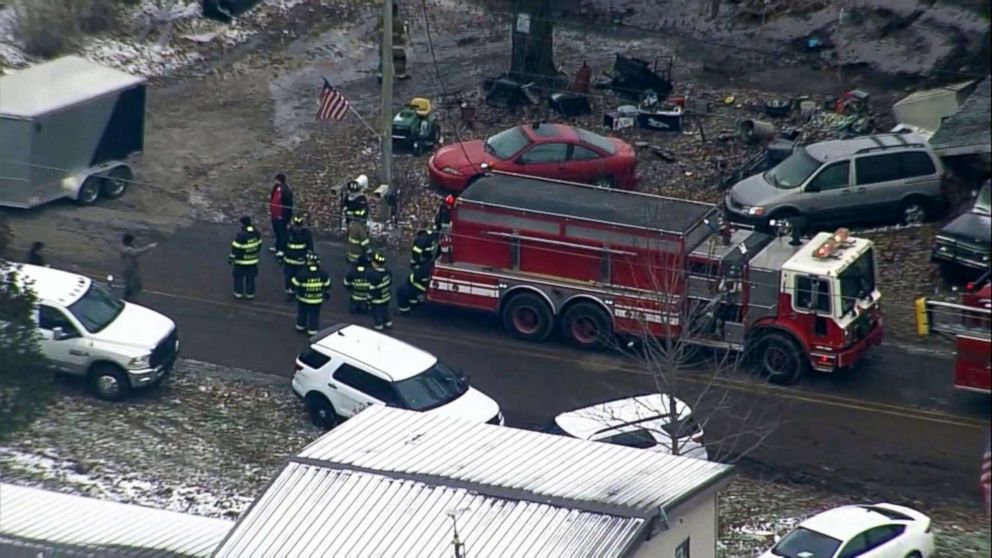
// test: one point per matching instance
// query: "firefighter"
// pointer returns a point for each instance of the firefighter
(245, 251)
(416, 285)
(425, 247)
(355, 206)
(312, 286)
(357, 283)
(359, 245)
(380, 292)
(299, 242)
(443, 217)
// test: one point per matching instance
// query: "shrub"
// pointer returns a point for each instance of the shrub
(48, 27)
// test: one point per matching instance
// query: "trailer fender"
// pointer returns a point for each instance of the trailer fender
(512, 291)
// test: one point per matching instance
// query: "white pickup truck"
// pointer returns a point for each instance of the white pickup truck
(86, 330)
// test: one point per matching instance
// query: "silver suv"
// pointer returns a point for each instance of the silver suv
(891, 177)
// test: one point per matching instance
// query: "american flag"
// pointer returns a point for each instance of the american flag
(985, 480)
(333, 105)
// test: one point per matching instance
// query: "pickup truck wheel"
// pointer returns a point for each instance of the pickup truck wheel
(781, 359)
(321, 412)
(587, 326)
(89, 192)
(109, 382)
(527, 316)
(115, 183)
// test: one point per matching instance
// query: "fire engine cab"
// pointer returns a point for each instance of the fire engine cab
(967, 324)
(598, 264)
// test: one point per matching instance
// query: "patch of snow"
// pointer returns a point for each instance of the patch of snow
(145, 59)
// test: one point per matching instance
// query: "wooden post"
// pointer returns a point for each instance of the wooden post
(387, 108)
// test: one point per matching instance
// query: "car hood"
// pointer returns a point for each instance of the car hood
(462, 156)
(755, 191)
(472, 405)
(137, 327)
(970, 227)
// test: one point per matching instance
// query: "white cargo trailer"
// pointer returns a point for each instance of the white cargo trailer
(67, 130)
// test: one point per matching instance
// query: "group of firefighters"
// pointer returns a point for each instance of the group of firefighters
(369, 279)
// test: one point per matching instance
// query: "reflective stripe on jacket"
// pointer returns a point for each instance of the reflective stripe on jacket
(380, 285)
(311, 284)
(246, 247)
(298, 243)
(357, 282)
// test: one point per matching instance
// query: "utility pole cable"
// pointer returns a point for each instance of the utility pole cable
(387, 109)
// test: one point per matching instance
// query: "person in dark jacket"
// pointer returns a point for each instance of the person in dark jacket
(380, 292)
(281, 211)
(425, 246)
(357, 283)
(354, 205)
(35, 256)
(299, 242)
(312, 286)
(416, 285)
(246, 250)
(130, 268)
(443, 217)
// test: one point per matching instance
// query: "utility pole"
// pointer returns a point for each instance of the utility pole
(387, 109)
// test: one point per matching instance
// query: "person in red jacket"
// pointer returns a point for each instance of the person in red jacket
(281, 211)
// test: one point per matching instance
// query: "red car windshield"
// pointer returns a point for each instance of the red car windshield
(507, 143)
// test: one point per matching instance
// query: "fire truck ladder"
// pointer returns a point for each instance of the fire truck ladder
(951, 319)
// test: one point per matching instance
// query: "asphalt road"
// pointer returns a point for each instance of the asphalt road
(895, 424)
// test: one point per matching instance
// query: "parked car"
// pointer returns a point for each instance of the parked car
(545, 150)
(861, 531)
(640, 422)
(86, 330)
(349, 367)
(884, 177)
(963, 246)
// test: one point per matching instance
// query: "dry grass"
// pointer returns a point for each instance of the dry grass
(50, 27)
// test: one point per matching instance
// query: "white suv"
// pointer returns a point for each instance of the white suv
(348, 368)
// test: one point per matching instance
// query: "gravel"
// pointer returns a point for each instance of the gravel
(208, 441)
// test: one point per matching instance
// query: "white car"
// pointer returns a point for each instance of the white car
(640, 422)
(86, 330)
(348, 368)
(861, 531)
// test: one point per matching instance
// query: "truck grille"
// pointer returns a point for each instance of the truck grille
(165, 352)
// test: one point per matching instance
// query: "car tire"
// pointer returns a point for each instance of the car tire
(914, 554)
(321, 411)
(108, 382)
(587, 326)
(605, 181)
(527, 316)
(780, 359)
(913, 211)
(115, 183)
(89, 192)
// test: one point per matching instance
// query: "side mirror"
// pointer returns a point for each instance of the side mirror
(58, 334)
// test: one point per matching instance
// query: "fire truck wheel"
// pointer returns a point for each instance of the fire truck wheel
(781, 359)
(587, 326)
(527, 316)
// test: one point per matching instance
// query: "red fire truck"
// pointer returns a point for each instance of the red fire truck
(967, 323)
(599, 264)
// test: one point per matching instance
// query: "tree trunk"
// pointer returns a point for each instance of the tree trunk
(714, 8)
(533, 43)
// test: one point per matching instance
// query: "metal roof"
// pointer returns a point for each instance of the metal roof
(61, 83)
(583, 202)
(967, 132)
(395, 359)
(315, 511)
(54, 524)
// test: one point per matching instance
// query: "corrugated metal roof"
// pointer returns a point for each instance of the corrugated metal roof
(57, 84)
(67, 525)
(967, 132)
(315, 511)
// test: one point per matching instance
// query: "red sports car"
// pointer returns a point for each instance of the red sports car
(546, 150)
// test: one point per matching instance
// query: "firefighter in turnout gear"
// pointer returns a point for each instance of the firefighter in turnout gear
(299, 242)
(380, 292)
(410, 294)
(359, 244)
(354, 205)
(425, 247)
(246, 249)
(312, 286)
(357, 283)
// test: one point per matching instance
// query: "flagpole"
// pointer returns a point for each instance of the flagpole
(363, 121)
(387, 107)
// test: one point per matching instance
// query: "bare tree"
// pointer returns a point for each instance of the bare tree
(533, 41)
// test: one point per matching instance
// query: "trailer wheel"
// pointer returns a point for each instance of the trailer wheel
(587, 326)
(89, 192)
(781, 359)
(527, 316)
(115, 183)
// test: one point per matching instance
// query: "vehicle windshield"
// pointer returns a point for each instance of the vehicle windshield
(858, 280)
(793, 171)
(507, 143)
(97, 308)
(983, 204)
(597, 140)
(432, 388)
(803, 543)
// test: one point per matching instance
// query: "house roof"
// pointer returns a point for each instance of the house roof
(35, 521)
(967, 131)
(391, 472)
(61, 83)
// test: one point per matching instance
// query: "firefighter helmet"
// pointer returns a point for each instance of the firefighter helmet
(312, 258)
(354, 187)
(297, 219)
(378, 258)
(449, 200)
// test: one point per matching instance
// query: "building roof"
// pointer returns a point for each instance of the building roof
(923, 110)
(61, 83)
(967, 132)
(392, 357)
(54, 284)
(35, 521)
(387, 478)
(591, 203)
